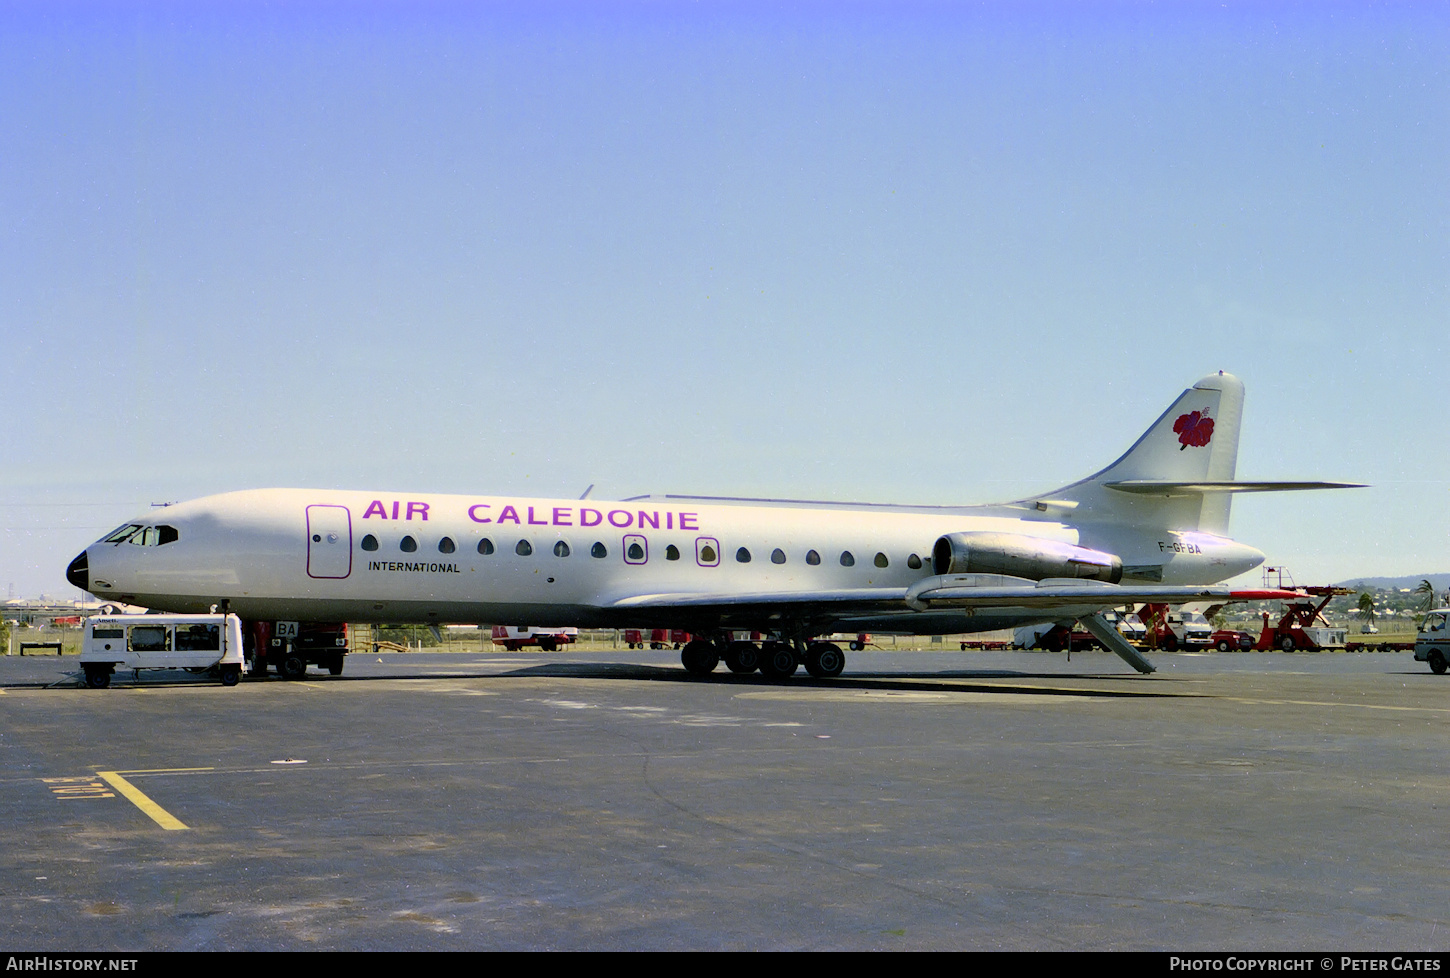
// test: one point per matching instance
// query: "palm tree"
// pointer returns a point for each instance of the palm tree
(1366, 609)
(1428, 590)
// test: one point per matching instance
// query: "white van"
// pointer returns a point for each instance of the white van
(1432, 644)
(199, 643)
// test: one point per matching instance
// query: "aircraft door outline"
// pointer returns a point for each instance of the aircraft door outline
(329, 541)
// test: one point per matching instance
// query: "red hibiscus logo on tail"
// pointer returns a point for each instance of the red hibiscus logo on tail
(1193, 429)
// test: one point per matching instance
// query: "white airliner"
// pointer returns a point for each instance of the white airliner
(1151, 527)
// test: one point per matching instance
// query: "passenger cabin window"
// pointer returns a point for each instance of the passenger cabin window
(847, 560)
(524, 548)
(485, 546)
(599, 550)
(407, 545)
(636, 552)
(914, 562)
(445, 546)
(813, 558)
(561, 549)
(707, 551)
(672, 552)
(881, 560)
(370, 542)
(742, 555)
(777, 556)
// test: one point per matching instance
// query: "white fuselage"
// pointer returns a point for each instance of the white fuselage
(382, 557)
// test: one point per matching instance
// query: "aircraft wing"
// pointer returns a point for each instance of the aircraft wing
(963, 591)
(971, 591)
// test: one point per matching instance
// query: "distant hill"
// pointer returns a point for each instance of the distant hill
(1439, 581)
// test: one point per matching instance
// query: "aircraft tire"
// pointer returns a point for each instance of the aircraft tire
(1437, 662)
(742, 658)
(825, 660)
(777, 661)
(293, 667)
(699, 658)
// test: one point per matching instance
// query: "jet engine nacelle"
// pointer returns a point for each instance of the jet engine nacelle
(1022, 556)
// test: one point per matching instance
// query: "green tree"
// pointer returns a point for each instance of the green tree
(1427, 591)
(1366, 612)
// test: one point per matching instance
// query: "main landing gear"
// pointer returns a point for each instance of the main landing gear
(776, 660)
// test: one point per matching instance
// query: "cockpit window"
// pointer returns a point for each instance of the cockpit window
(121, 533)
(144, 536)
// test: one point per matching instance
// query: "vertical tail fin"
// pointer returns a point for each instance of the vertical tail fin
(1195, 440)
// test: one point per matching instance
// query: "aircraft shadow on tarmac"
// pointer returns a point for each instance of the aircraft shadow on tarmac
(954, 681)
(958, 681)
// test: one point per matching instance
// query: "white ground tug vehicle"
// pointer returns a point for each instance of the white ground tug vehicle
(196, 643)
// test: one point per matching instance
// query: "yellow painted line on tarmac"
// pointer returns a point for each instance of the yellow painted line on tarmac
(138, 798)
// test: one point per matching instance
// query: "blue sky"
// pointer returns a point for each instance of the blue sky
(910, 252)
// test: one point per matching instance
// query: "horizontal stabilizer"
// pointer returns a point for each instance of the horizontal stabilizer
(1157, 487)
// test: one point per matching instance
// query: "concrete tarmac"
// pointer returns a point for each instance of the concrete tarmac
(927, 800)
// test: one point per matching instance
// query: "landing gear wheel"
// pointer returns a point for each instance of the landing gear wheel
(777, 660)
(742, 658)
(99, 677)
(825, 660)
(1287, 643)
(293, 667)
(1437, 662)
(231, 675)
(699, 658)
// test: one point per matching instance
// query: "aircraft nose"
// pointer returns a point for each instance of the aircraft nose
(79, 572)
